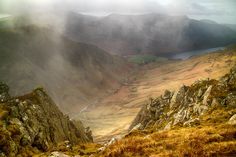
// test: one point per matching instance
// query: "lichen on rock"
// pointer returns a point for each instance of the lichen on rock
(188, 104)
(34, 121)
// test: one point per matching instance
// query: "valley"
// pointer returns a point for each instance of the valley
(117, 79)
(111, 117)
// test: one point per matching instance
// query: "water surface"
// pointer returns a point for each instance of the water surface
(188, 54)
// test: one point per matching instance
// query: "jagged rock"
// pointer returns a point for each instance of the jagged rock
(173, 100)
(199, 109)
(206, 96)
(215, 103)
(200, 93)
(88, 132)
(192, 122)
(232, 120)
(188, 103)
(136, 127)
(231, 100)
(168, 126)
(33, 120)
(4, 92)
(167, 94)
(113, 140)
(58, 154)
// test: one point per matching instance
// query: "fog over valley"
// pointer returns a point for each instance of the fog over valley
(127, 78)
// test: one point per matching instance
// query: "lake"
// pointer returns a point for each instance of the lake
(188, 54)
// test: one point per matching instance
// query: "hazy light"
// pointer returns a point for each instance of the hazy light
(221, 11)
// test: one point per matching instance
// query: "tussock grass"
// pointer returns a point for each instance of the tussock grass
(214, 137)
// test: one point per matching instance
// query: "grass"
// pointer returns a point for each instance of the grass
(214, 137)
(196, 141)
(84, 150)
(145, 59)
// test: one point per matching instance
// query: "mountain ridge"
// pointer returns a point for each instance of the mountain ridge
(196, 120)
(32, 123)
(148, 33)
(36, 56)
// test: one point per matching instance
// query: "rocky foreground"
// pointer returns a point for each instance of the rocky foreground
(196, 120)
(32, 124)
(185, 106)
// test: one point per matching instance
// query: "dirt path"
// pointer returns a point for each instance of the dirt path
(113, 115)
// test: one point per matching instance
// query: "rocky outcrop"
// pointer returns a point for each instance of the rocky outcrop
(34, 121)
(185, 106)
(232, 120)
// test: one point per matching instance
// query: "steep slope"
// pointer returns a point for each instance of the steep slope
(196, 120)
(149, 33)
(112, 115)
(184, 106)
(75, 74)
(32, 123)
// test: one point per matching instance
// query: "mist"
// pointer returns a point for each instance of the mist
(216, 10)
(115, 27)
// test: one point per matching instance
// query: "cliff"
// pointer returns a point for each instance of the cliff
(196, 120)
(33, 123)
(185, 106)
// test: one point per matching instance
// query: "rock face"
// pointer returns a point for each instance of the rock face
(34, 121)
(185, 106)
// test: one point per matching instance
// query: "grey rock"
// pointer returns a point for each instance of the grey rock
(58, 154)
(168, 126)
(187, 104)
(232, 120)
(192, 122)
(36, 121)
(206, 96)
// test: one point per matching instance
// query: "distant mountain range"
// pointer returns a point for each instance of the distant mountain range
(148, 33)
(74, 73)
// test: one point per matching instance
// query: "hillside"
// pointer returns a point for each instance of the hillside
(75, 74)
(195, 120)
(32, 123)
(113, 114)
(200, 115)
(148, 33)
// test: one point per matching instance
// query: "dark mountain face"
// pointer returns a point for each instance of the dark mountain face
(150, 33)
(74, 73)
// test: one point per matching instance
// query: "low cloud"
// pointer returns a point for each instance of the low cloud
(219, 10)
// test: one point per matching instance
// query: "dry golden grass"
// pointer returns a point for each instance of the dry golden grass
(196, 141)
(214, 137)
(112, 115)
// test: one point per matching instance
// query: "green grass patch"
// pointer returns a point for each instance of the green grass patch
(145, 59)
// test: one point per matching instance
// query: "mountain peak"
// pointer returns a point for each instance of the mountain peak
(34, 122)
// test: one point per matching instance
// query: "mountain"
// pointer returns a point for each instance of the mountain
(196, 120)
(32, 123)
(231, 26)
(75, 74)
(148, 33)
(185, 106)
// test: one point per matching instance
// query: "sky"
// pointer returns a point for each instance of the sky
(221, 11)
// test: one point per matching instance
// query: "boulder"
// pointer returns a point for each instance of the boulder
(168, 126)
(231, 100)
(192, 122)
(232, 120)
(206, 96)
(167, 94)
(58, 154)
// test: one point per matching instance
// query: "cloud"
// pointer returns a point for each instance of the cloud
(193, 8)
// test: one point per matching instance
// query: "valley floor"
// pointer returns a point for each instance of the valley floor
(112, 115)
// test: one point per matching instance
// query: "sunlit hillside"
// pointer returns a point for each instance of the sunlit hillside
(127, 78)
